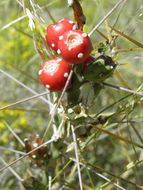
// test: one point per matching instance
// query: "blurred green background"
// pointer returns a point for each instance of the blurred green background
(19, 58)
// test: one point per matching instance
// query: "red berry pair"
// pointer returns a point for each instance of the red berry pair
(74, 46)
(54, 31)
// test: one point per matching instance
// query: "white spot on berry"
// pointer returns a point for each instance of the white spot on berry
(53, 45)
(47, 86)
(84, 35)
(51, 67)
(40, 72)
(74, 27)
(80, 55)
(71, 22)
(59, 51)
(61, 37)
(66, 75)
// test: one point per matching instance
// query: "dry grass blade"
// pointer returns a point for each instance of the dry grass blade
(77, 158)
(101, 34)
(14, 134)
(89, 167)
(13, 22)
(117, 136)
(128, 50)
(54, 109)
(11, 150)
(23, 85)
(117, 74)
(127, 37)
(123, 89)
(24, 100)
(12, 171)
(27, 154)
(106, 16)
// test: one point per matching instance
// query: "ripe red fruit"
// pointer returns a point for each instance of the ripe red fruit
(74, 46)
(55, 30)
(54, 73)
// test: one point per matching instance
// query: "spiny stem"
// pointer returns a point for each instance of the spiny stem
(77, 157)
(24, 100)
(13, 22)
(14, 134)
(12, 171)
(53, 111)
(11, 150)
(123, 89)
(27, 154)
(106, 16)
(98, 174)
(117, 136)
(23, 85)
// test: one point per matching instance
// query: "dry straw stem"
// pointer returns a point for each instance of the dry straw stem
(24, 100)
(77, 157)
(106, 16)
(123, 89)
(93, 167)
(14, 134)
(117, 136)
(127, 37)
(11, 150)
(53, 111)
(23, 85)
(27, 154)
(12, 171)
(94, 170)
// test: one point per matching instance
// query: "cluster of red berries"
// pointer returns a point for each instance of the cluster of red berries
(73, 46)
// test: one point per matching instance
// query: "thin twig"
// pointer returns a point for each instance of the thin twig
(12, 171)
(77, 157)
(27, 154)
(23, 85)
(14, 134)
(13, 22)
(98, 174)
(11, 150)
(106, 16)
(24, 100)
(123, 89)
(117, 136)
(54, 109)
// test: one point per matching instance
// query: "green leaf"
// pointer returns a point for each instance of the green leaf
(101, 69)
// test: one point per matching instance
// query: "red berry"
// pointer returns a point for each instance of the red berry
(74, 46)
(54, 31)
(54, 73)
(89, 60)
